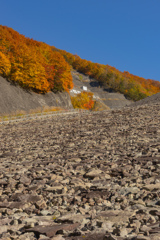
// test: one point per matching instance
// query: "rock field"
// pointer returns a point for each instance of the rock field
(82, 176)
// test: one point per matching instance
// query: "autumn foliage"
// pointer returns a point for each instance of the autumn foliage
(83, 100)
(42, 68)
(133, 87)
(5, 65)
(32, 64)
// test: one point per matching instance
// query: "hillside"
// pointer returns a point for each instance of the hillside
(42, 68)
(33, 65)
(16, 99)
(133, 87)
(103, 97)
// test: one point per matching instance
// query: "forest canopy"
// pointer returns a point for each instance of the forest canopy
(133, 87)
(32, 64)
(42, 68)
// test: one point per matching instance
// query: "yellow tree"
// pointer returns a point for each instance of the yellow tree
(5, 65)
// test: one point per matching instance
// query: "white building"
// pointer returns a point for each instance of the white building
(84, 88)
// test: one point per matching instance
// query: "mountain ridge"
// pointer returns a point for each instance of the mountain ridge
(42, 68)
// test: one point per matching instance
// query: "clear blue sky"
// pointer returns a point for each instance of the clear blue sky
(122, 33)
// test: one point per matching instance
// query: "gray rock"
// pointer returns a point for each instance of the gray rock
(94, 175)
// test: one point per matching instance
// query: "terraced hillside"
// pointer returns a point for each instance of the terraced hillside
(82, 176)
(110, 98)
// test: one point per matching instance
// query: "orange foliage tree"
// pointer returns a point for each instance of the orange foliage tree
(42, 68)
(83, 100)
(5, 65)
(131, 86)
(32, 64)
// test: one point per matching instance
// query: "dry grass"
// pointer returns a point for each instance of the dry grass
(100, 106)
(21, 113)
(111, 99)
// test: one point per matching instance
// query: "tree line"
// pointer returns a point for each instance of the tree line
(133, 87)
(32, 64)
(42, 68)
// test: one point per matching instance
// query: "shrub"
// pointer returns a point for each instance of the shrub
(83, 100)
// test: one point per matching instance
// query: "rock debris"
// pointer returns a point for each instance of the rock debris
(83, 176)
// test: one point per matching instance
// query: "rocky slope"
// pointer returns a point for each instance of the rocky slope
(149, 100)
(14, 98)
(83, 176)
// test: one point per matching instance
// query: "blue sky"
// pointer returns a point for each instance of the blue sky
(121, 33)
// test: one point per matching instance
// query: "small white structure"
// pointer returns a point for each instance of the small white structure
(84, 88)
(75, 91)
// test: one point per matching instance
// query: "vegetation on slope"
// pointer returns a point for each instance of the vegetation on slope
(32, 64)
(83, 100)
(42, 68)
(133, 87)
